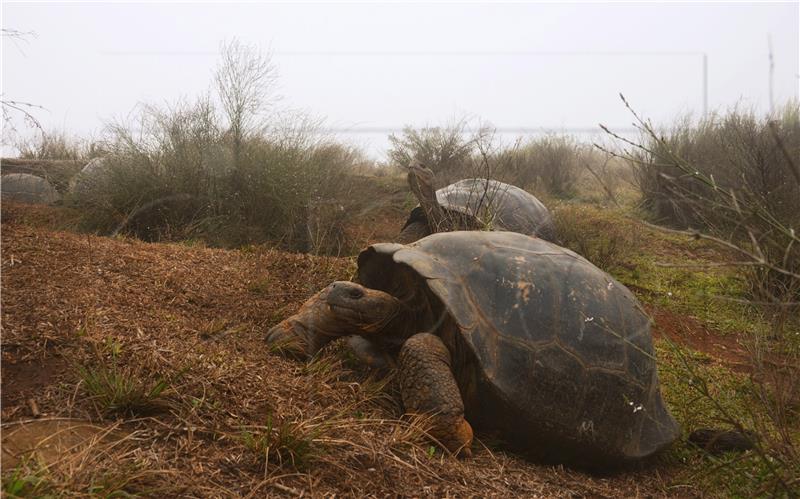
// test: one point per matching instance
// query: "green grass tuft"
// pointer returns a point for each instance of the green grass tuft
(117, 390)
(284, 443)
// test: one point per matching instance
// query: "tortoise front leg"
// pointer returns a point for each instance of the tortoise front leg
(370, 353)
(428, 387)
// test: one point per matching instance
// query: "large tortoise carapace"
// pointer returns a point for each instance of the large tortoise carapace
(516, 335)
(470, 204)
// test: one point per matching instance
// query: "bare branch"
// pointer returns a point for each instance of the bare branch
(597, 177)
(699, 235)
(23, 108)
(245, 80)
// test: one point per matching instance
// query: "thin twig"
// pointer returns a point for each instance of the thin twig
(603, 184)
(699, 235)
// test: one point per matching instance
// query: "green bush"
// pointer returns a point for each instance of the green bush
(597, 235)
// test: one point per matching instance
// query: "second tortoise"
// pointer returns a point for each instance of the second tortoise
(473, 204)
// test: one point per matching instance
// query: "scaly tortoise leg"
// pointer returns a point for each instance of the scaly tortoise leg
(369, 353)
(428, 387)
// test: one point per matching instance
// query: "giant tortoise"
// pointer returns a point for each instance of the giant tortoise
(472, 203)
(27, 188)
(505, 332)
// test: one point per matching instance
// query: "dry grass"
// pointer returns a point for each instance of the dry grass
(192, 316)
(58, 145)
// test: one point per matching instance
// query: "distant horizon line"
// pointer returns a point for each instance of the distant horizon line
(412, 53)
(503, 129)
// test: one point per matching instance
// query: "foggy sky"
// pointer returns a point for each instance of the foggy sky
(376, 67)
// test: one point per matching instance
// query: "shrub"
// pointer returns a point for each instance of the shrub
(735, 176)
(736, 189)
(737, 151)
(550, 163)
(177, 180)
(183, 172)
(58, 145)
(446, 150)
(596, 234)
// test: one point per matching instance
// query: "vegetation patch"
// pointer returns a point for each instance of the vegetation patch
(118, 390)
(293, 444)
(703, 393)
(676, 272)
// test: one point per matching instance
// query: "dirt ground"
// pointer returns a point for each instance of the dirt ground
(690, 332)
(194, 318)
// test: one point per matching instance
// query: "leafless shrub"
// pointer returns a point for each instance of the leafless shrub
(58, 145)
(466, 149)
(737, 152)
(245, 80)
(445, 150)
(548, 164)
(734, 176)
(725, 190)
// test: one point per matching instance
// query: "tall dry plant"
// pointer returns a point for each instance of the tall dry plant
(446, 150)
(57, 145)
(245, 81)
(741, 203)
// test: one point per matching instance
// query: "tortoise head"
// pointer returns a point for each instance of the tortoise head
(360, 310)
(341, 309)
(422, 173)
(422, 182)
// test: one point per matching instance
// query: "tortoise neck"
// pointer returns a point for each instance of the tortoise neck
(414, 231)
(426, 196)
